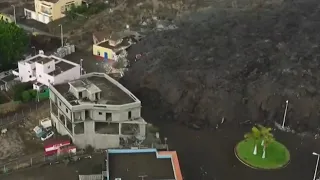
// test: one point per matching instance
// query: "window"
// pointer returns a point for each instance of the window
(100, 113)
(59, 103)
(63, 9)
(48, 80)
(48, 67)
(67, 110)
(30, 76)
(98, 53)
(129, 115)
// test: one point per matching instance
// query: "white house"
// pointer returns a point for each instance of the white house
(45, 70)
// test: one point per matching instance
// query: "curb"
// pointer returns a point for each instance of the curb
(258, 168)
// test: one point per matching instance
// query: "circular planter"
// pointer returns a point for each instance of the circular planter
(277, 155)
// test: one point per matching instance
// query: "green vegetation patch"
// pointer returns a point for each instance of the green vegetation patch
(277, 155)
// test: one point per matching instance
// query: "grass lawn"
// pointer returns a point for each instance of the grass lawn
(277, 155)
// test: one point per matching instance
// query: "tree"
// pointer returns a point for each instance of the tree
(33, 93)
(255, 135)
(264, 132)
(267, 138)
(18, 90)
(13, 44)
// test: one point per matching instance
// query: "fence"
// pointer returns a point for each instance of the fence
(41, 160)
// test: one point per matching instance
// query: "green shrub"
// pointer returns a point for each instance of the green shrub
(92, 9)
(26, 96)
(33, 93)
(18, 89)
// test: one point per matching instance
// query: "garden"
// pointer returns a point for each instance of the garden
(260, 150)
(24, 92)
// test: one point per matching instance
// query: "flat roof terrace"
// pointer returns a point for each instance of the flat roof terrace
(110, 93)
(126, 42)
(40, 59)
(133, 166)
(60, 67)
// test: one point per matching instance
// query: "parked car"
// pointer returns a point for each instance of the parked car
(47, 136)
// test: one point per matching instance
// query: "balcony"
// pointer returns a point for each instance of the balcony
(47, 13)
(46, 10)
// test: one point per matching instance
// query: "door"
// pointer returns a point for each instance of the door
(105, 56)
(40, 18)
(46, 19)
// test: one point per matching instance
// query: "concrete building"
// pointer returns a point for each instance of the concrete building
(50, 10)
(108, 48)
(137, 164)
(96, 110)
(47, 70)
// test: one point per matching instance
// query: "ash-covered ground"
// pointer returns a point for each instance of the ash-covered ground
(237, 63)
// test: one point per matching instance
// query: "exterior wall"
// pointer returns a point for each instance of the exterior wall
(6, 18)
(98, 141)
(33, 14)
(123, 116)
(64, 109)
(69, 75)
(37, 16)
(46, 12)
(42, 71)
(38, 6)
(59, 126)
(43, 11)
(60, 6)
(26, 71)
(99, 51)
(45, 68)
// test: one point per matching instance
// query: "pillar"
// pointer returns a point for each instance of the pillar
(120, 124)
(142, 129)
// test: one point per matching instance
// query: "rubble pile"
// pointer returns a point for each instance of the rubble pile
(235, 64)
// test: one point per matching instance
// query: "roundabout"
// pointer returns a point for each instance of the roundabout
(276, 155)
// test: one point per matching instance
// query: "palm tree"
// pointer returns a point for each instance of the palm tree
(255, 134)
(267, 139)
(264, 132)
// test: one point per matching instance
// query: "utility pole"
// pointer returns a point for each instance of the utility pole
(285, 114)
(316, 168)
(14, 14)
(61, 34)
